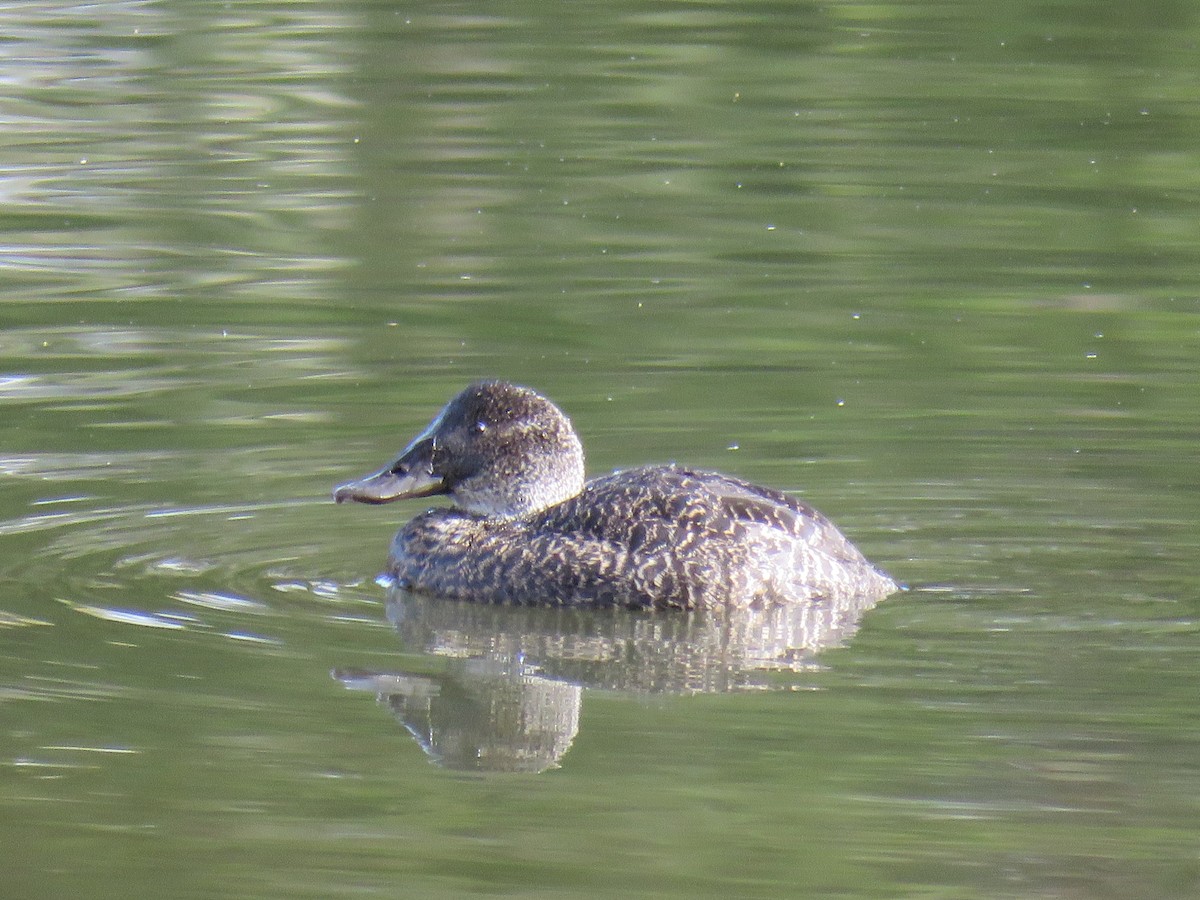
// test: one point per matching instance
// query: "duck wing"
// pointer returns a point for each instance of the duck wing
(752, 505)
(668, 506)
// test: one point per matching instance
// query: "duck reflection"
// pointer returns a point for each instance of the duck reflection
(509, 686)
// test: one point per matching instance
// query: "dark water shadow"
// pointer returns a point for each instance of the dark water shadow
(510, 685)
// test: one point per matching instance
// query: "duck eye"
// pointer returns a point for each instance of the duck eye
(481, 426)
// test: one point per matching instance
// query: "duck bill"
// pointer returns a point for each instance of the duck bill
(407, 477)
(386, 485)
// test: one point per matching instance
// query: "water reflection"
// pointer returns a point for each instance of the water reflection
(509, 689)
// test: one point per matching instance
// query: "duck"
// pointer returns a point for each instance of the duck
(526, 527)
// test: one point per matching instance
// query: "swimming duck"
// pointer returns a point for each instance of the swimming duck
(526, 528)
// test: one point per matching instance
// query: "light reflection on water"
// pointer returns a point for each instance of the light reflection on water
(511, 698)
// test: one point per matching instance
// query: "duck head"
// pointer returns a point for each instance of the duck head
(496, 450)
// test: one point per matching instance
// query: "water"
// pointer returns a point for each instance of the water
(931, 266)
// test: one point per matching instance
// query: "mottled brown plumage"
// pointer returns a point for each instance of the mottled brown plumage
(528, 529)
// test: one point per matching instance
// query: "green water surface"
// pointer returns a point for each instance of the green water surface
(931, 266)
